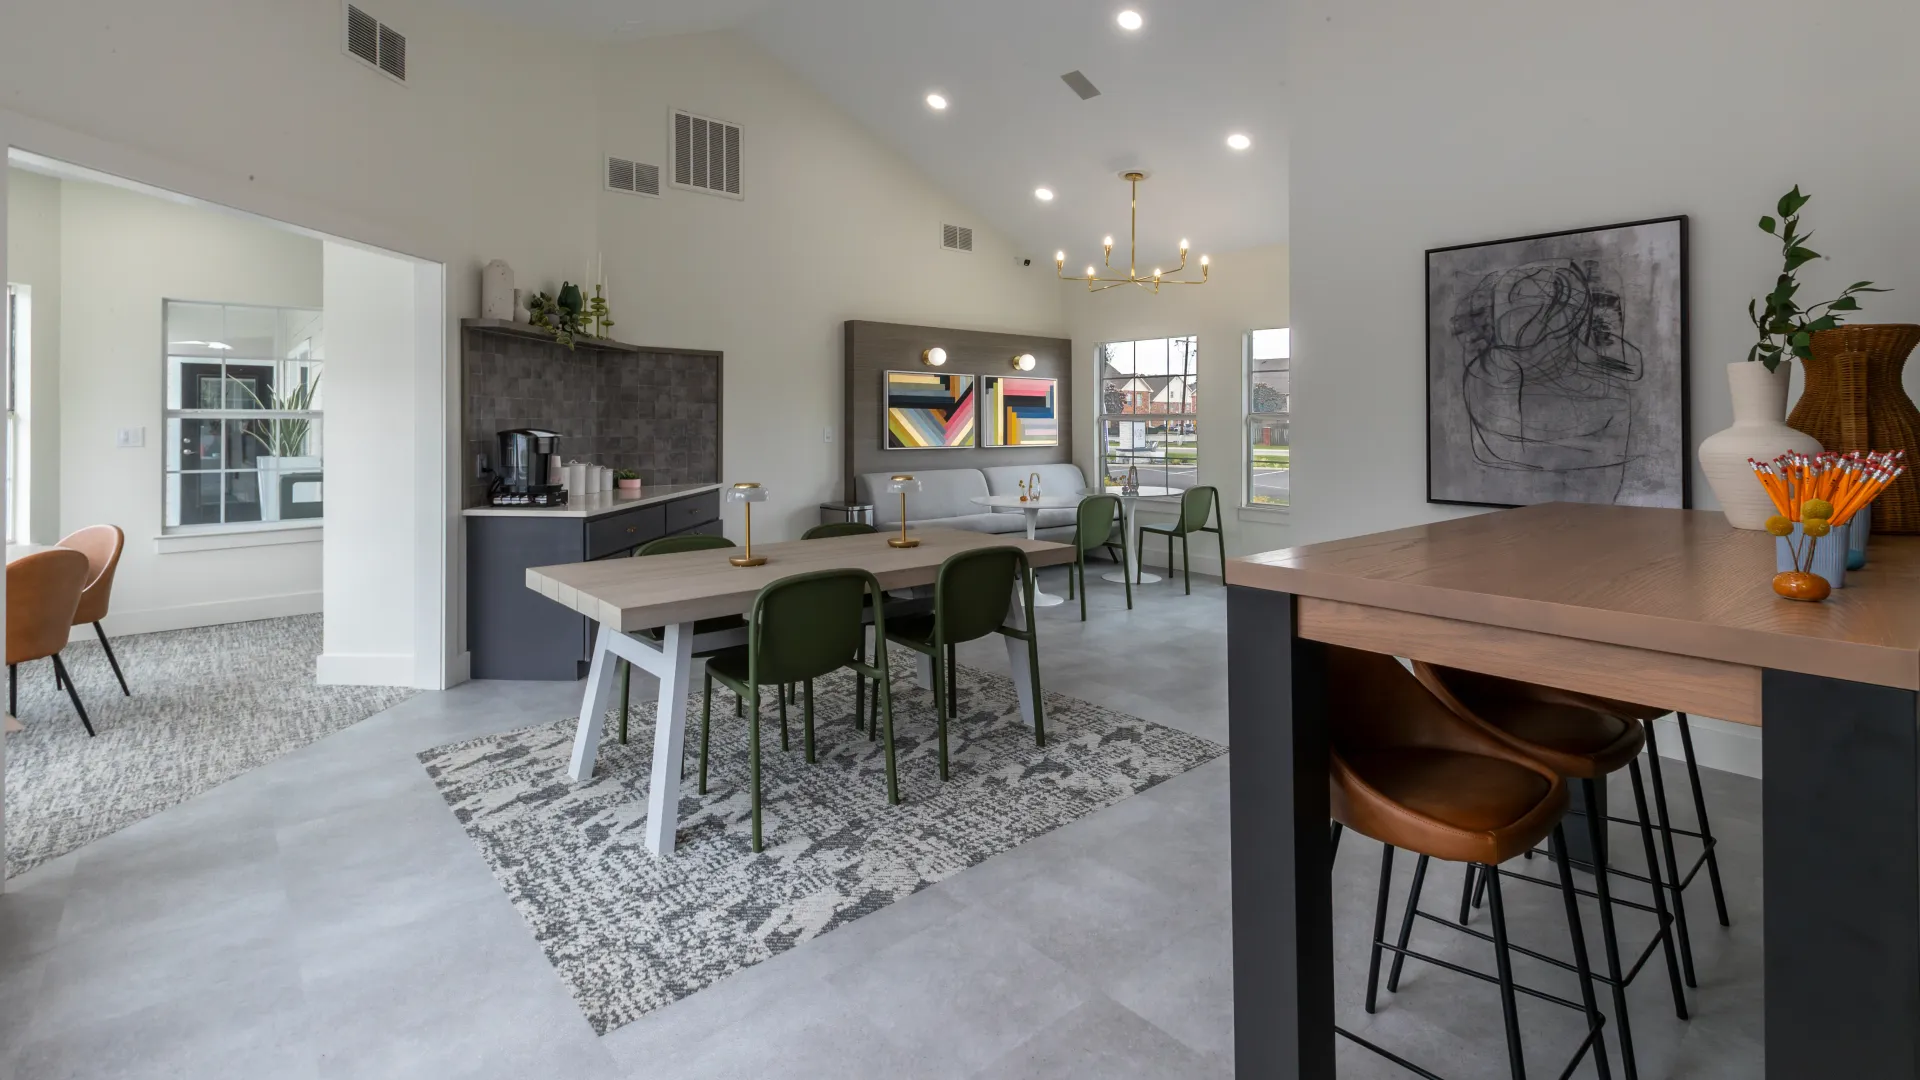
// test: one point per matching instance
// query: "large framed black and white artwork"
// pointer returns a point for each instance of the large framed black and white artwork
(1557, 368)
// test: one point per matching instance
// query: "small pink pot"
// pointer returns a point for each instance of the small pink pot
(627, 485)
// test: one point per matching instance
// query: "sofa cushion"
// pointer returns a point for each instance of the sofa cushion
(1061, 479)
(980, 523)
(944, 493)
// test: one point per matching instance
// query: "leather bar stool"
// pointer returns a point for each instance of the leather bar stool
(1676, 882)
(1582, 744)
(1409, 773)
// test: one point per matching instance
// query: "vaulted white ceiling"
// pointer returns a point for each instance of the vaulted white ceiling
(1170, 94)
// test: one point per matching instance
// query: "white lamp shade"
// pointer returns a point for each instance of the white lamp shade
(902, 484)
(1024, 362)
(746, 493)
(934, 357)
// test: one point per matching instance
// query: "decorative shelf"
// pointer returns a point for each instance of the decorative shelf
(524, 330)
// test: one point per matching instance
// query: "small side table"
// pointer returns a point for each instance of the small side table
(1129, 507)
(1032, 508)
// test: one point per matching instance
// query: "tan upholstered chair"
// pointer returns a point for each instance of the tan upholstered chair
(43, 592)
(101, 544)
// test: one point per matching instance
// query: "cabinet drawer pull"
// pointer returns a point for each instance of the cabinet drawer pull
(633, 528)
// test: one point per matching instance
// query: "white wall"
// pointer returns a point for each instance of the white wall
(122, 253)
(33, 260)
(1418, 125)
(369, 597)
(833, 226)
(1248, 291)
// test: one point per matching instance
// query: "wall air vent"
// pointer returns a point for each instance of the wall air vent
(1081, 85)
(956, 238)
(706, 154)
(634, 177)
(376, 44)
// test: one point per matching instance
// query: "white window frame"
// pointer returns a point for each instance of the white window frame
(170, 537)
(1249, 418)
(18, 349)
(1102, 418)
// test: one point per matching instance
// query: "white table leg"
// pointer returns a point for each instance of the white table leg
(1040, 599)
(1129, 517)
(669, 737)
(593, 707)
(1017, 661)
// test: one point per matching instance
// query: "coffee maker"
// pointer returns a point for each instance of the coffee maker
(525, 476)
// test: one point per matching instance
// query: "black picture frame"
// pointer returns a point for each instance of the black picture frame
(1674, 456)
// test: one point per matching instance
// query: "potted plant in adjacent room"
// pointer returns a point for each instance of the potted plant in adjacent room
(284, 445)
(1759, 384)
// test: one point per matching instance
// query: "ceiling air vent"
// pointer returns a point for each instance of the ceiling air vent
(1081, 85)
(706, 154)
(956, 238)
(376, 44)
(635, 177)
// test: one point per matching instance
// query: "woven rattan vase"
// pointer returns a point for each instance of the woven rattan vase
(1854, 401)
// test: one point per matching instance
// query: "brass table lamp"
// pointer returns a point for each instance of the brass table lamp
(747, 494)
(902, 484)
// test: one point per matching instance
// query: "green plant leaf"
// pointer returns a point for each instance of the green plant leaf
(1767, 225)
(1824, 322)
(1798, 257)
(1792, 201)
(1846, 303)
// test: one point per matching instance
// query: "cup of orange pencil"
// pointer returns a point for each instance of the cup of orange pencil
(1818, 497)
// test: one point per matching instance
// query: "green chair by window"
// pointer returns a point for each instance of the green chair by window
(838, 528)
(1094, 529)
(971, 599)
(1197, 505)
(670, 545)
(801, 628)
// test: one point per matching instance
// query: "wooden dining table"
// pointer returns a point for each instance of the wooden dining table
(1667, 608)
(674, 592)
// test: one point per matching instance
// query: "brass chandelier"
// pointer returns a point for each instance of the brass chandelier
(1150, 282)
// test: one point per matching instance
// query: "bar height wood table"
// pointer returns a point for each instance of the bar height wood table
(674, 592)
(1662, 607)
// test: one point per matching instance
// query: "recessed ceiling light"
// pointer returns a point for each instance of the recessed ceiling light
(1238, 141)
(1130, 20)
(936, 102)
(1043, 194)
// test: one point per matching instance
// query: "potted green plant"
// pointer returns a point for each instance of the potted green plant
(283, 443)
(626, 480)
(1759, 384)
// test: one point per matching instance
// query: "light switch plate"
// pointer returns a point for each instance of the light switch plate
(130, 438)
(826, 434)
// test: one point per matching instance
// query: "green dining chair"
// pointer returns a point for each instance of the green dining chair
(1093, 528)
(838, 528)
(971, 598)
(671, 545)
(1197, 505)
(801, 628)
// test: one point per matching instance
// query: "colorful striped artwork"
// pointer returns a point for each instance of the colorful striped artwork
(1020, 411)
(928, 412)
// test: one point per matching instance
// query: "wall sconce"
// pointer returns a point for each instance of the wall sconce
(934, 357)
(1024, 362)
(748, 494)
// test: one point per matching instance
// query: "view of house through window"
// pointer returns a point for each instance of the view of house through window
(1269, 413)
(17, 351)
(1149, 401)
(243, 415)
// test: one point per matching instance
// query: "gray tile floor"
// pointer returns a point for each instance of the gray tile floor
(324, 916)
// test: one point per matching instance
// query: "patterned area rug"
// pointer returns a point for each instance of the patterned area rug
(208, 704)
(629, 932)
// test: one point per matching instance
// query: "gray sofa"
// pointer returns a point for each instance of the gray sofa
(946, 499)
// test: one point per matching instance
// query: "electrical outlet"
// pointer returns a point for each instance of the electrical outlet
(826, 434)
(480, 469)
(130, 438)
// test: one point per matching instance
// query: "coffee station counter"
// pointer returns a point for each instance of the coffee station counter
(597, 505)
(514, 632)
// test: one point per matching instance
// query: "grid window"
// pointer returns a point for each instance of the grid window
(243, 417)
(1149, 406)
(1269, 417)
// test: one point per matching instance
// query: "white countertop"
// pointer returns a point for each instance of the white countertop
(597, 505)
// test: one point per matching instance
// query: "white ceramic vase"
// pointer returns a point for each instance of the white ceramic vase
(496, 291)
(1759, 432)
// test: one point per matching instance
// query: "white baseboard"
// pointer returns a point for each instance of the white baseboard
(364, 669)
(211, 613)
(1717, 744)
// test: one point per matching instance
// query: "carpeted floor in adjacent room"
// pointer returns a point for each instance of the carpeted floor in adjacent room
(208, 704)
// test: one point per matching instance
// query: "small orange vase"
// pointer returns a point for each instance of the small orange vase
(1800, 585)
